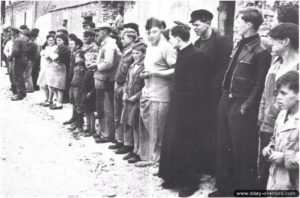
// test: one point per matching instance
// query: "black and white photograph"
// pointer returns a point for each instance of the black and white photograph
(149, 98)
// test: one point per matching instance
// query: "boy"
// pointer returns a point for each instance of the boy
(283, 149)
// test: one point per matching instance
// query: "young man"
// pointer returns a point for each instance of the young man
(124, 141)
(20, 56)
(155, 100)
(177, 163)
(285, 44)
(283, 149)
(217, 48)
(105, 71)
(237, 137)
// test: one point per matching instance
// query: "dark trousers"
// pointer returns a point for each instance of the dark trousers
(263, 164)
(237, 143)
(18, 72)
(105, 107)
(11, 77)
(35, 74)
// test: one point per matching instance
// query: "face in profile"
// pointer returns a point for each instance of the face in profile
(200, 27)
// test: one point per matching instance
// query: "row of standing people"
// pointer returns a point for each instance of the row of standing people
(183, 110)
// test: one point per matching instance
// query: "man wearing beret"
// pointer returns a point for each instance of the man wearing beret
(217, 48)
(20, 56)
(243, 84)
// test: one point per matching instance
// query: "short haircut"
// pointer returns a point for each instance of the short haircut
(52, 32)
(140, 47)
(182, 31)
(80, 53)
(153, 22)
(77, 42)
(291, 79)
(252, 15)
(133, 26)
(288, 14)
(286, 30)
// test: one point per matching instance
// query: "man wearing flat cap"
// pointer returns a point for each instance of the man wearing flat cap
(217, 48)
(105, 71)
(20, 56)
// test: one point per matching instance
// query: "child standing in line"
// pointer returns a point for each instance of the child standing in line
(283, 149)
(88, 100)
(131, 99)
(75, 89)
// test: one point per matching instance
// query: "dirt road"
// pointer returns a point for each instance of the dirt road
(40, 158)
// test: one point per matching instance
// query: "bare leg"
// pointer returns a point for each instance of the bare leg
(60, 95)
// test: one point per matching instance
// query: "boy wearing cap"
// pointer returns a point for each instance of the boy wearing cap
(217, 48)
(237, 137)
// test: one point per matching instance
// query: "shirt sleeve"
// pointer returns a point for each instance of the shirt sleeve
(170, 55)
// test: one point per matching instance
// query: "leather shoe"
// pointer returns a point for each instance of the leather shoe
(102, 140)
(116, 146)
(128, 156)
(134, 159)
(96, 136)
(124, 149)
(69, 121)
(188, 190)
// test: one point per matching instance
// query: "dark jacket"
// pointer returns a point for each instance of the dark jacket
(79, 73)
(64, 55)
(125, 62)
(20, 49)
(217, 48)
(248, 77)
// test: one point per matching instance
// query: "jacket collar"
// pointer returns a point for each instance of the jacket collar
(248, 48)
(291, 123)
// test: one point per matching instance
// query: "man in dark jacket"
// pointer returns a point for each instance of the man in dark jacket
(237, 137)
(19, 54)
(128, 38)
(189, 99)
(217, 48)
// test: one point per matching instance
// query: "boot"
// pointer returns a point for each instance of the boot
(14, 89)
(73, 118)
